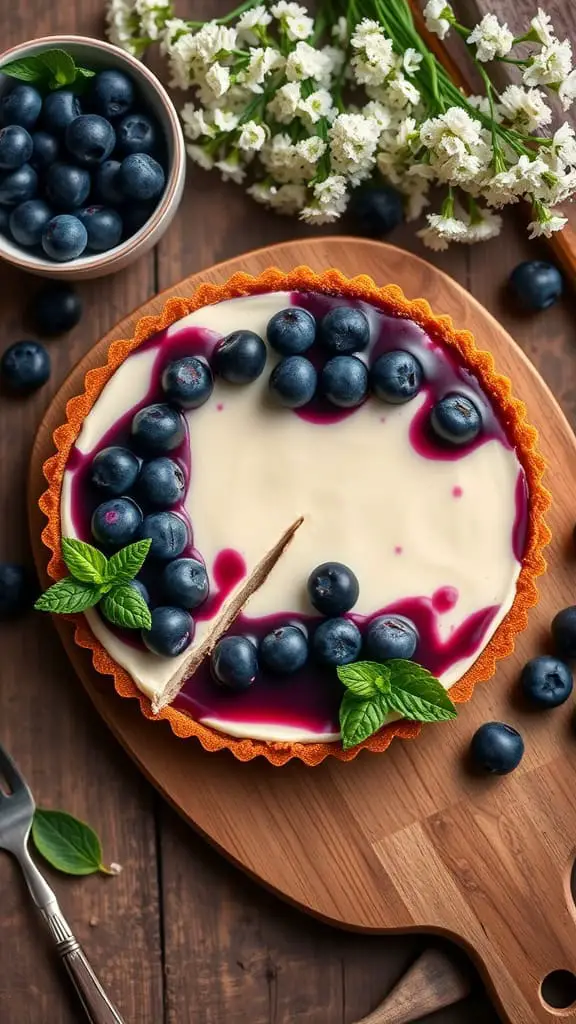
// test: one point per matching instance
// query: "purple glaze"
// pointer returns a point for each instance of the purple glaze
(310, 698)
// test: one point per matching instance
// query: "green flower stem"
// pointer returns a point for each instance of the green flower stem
(246, 6)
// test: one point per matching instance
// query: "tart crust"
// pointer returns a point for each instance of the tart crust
(393, 301)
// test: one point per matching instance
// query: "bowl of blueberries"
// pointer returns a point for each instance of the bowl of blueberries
(92, 158)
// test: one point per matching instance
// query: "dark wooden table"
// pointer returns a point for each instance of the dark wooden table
(180, 936)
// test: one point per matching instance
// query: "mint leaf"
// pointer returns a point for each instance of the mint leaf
(361, 718)
(365, 678)
(60, 66)
(68, 596)
(67, 844)
(29, 69)
(84, 561)
(124, 606)
(125, 564)
(85, 72)
(415, 693)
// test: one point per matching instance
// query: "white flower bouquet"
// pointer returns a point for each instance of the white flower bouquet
(303, 110)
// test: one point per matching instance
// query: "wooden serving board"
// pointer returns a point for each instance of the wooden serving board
(410, 840)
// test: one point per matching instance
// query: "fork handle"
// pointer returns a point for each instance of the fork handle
(97, 1006)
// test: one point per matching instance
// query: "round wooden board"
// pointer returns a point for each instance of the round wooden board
(408, 840)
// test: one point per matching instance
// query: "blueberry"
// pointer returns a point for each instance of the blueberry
(67, 187)
(103, 227)
(114, 470)
(284, 651)
(111, 93)
(25, 366)
(344, 381)
(187, 382)
(139, 587)
(158, 428)
(185, 582)
(396, 377)
(391, 636)
(291, 331)
(135, 216)
(377, 211)
(546, 681)
(293, 381)
(60, 108)
(116, 522)
(4, 221)
(141, 177)
(45, 149)
(22, 105)
(240, 357)
(536, 285)
(106, 184)
(332, 588)
(18, 186)
(16, 590)
(344, 330)
(27, 221)
(171, 633)
(162, 482)
(168, 533)
(336, 642)
(64, 238)
(57, 308)
(456, 419)
(234, 662)
(15, 147)
(90, 139)
(136, 134)
(564, 633)
(497, 748)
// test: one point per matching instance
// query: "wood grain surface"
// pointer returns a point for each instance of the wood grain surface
(181, 936)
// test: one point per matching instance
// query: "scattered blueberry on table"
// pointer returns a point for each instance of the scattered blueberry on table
(377, 211)
(59, 149)
(546, 681)
(497, 748)
(16, 590)
(25, 366)
(57, 308)
(536, 285)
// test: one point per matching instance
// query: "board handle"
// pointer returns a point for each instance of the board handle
(434, 981)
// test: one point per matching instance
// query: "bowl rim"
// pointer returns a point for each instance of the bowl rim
(174, 178)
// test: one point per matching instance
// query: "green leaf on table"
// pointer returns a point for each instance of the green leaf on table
(61, 67)
(27, 69)
(416, 694)
(365, 678)
(125, 564)
(69, 596)
(67, 844)
(360, 718)
(124, 606)
(85, 562)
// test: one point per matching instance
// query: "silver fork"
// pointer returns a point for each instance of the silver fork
(16, 812)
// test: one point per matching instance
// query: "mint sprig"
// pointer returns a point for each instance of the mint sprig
(373, 690)
(94, 578)
(52, 68)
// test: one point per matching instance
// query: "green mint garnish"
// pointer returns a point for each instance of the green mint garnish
(94, 578)
(67, 844)
(374, 690)
(52, 68)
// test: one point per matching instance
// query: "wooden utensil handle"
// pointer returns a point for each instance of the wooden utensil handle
(98, 1007)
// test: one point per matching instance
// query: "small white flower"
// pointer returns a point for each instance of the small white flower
(438, 15)
(316, 215)
(225, 120)
(123, 25)
(336, 59)
(218, 79)
(311, 149)
(491, 38)
(340, 31)
(411, 61)
(482, 103)
(541, 26)
(455, 121)
(363, 32)
(230, 168)
(152, 14)
(526, 108)
(306, 62)
(483, 226)
(318, 105)
(116, 869)
(432, 240)
(285, 104)
(449, 227)
(374, 59)
(212, 41)
(547, 223)
(248, 24)
(567, 90)
(200, 156)
(551, 66)
(563, 145)
(379, 113)
(401, 92)
(262, 192)
(332, 192)
(263, 60)
(289, 199)
(194, 122)
(173, 28)
(299, 27)
(252, 137)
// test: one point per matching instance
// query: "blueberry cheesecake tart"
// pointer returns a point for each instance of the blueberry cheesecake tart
(296, 515)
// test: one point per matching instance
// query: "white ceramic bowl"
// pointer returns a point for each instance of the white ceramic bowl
(94, 53)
